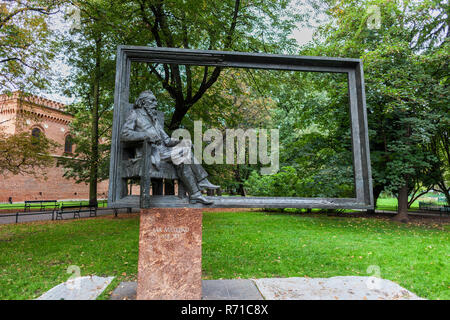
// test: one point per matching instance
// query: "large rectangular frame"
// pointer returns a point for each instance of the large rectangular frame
(360, 141)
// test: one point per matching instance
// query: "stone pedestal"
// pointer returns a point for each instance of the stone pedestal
(170, 254)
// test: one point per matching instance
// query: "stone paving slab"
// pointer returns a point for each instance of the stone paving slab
(335, 288)
(81, 288)
(125, 291)
(236, 289)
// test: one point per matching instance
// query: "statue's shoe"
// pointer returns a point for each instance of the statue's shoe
(205, 184)
(198, 198)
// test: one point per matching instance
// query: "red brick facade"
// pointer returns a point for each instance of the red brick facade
(51, 119)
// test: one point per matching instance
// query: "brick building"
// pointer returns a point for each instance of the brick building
(43, 116)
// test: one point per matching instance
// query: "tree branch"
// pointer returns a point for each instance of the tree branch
(206, 84)
(22, 10)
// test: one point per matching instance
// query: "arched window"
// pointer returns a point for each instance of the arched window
(35, 135)
(36, 132)
(68, 144)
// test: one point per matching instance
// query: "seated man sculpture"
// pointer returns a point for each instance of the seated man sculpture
(141, 124)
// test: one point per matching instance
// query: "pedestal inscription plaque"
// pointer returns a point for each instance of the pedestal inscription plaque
(170, 254)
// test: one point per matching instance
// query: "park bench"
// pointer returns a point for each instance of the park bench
(41, 204)
(429, 206)
(445, 209)
(76, 209)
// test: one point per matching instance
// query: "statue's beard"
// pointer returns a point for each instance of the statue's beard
(151, 113)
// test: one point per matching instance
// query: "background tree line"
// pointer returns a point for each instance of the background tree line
(405, 60)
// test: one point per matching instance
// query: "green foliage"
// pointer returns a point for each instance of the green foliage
(78, 164)
(22, 153)
(282, 184)
(221, 25)
(405, 84)
(405, 64)
(311, 112)
(26, 52)
(289, 182)
(88, 46)
(27, 47)
(185, 93)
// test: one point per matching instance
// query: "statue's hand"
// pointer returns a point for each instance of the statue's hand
(172, 142)
(153, 139)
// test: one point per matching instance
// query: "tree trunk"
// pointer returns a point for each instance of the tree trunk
(447, 197)
(181, 108)
(376, 194)
(237, 176)
(93, 176)
(443, 189)
(402, 211)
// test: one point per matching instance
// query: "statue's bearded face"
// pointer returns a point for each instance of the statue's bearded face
(149, 104)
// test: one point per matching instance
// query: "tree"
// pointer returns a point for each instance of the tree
(26, 51)
(440, 143)
(315, 142)
(87, 45)
(441, 148)
(399, 87)
(219, 25)
(23, 153)
(222, 25)
(26, 47)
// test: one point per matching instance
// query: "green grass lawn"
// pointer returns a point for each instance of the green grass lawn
(35, 256)
(392, 203)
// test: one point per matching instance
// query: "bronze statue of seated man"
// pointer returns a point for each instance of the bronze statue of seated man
(141, 124)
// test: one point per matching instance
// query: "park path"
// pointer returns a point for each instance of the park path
(7, 219)
(10, 218)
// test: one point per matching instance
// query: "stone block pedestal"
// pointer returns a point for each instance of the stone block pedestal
(170, 254)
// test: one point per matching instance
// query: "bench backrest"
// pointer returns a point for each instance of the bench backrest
(39, 201)
(28, 203)
(72, 206)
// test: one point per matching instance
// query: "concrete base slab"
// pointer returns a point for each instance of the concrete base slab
(125, 291)
(236, 289)
(335, 288)
(81, 288)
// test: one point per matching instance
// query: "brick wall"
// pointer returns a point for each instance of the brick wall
(51, 118)
(56, 187)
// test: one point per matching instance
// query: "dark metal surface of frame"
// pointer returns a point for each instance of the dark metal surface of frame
(360, 142)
